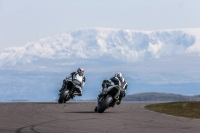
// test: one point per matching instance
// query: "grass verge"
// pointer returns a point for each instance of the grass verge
(183, 109)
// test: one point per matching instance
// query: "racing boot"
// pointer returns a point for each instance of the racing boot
(78, 93)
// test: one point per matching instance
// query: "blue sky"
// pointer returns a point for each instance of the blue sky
(25, 21)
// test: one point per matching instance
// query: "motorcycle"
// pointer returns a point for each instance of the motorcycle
(70, 89)
(109, 99)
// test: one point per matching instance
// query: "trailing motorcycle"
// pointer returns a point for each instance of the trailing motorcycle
(109, 99)
(70, 89)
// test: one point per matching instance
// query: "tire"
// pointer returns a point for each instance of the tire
(63, 95)
(105, 104)
(60, 100)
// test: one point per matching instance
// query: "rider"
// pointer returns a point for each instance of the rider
(80, 72)
(116, 80)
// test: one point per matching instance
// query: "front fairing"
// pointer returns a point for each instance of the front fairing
(114, 91)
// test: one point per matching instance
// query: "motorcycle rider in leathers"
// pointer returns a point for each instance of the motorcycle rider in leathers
(116, 80)
(80, 72)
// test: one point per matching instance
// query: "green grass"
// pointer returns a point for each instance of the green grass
(183, 109)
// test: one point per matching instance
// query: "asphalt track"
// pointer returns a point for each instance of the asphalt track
(79, 117)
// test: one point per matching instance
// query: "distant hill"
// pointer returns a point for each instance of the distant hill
(153, 96)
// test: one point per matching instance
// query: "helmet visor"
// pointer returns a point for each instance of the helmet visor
(81, 72)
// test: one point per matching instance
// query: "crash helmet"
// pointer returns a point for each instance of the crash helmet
(119, 76)
(80, 71)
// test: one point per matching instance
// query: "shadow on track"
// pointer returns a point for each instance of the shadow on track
(82, 112)
(56, 103)
(89, 112)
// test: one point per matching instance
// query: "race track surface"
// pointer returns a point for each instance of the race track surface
(79, 117)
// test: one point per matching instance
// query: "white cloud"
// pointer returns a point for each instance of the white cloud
(101, 43)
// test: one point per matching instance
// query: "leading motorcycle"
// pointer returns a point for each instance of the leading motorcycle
(70, 89)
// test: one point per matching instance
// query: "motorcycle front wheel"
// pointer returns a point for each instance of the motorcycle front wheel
(63, 96)
(105, 104)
